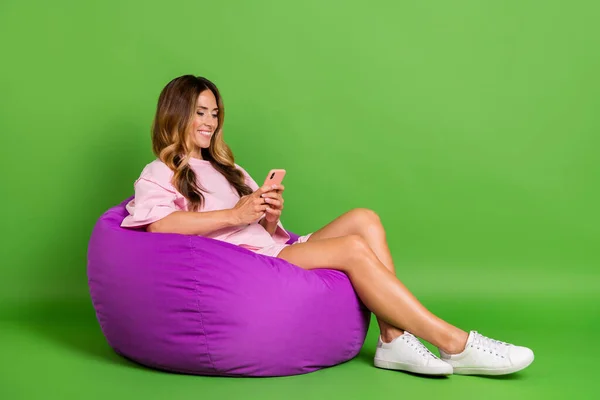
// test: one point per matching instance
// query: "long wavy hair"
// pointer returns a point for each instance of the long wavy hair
(173, 145)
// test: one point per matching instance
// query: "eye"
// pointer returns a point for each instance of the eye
(215, 116)
(199, 113)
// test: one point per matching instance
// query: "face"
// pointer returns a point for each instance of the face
(205, 120)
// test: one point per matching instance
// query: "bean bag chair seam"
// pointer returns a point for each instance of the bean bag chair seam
(357, 341)
(198, 306)
(96, 307)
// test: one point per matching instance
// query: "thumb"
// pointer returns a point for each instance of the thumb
(261, 190)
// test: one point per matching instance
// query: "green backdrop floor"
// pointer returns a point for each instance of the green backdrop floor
(47, 354)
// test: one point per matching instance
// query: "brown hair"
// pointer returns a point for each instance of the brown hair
(172, 144)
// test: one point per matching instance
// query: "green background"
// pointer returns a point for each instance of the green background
(471, 127)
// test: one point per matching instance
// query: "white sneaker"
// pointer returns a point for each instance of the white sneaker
(407, 353)
(485, 356)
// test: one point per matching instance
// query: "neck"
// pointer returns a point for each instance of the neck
(197, 154)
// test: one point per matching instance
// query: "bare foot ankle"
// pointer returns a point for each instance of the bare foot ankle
(390, 333)
(456, 342)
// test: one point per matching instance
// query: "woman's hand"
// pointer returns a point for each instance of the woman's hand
(274, 200)
(251, 208)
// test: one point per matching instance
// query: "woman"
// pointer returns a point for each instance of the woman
(195, 171)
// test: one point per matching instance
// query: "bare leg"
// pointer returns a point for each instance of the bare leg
(378, 288)
(365, 223)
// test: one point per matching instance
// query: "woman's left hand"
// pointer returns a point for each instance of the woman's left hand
(274, 200)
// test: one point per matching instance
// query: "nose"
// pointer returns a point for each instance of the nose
(208, 122)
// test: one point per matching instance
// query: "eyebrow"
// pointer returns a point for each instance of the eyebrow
(204, 108)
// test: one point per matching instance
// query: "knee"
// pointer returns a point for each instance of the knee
(356, 248)
(366, 216)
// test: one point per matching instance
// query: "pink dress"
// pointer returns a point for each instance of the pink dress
(155, 198)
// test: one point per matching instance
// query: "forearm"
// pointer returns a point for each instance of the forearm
(194, 223)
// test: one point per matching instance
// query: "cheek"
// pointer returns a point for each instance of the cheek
(194, 130)
(196, 123)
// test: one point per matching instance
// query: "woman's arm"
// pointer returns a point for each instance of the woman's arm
(195, 223)
(269, 226)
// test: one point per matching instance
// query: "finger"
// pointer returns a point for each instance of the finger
(273, 202)
(262, 189)
(271, 194)
(274, 194)
(273, 211)
(262, 198)
(278, 187)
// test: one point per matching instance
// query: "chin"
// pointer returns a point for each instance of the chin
(204, 144)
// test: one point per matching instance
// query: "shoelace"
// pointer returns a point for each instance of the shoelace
(489, 345)
(412, 341)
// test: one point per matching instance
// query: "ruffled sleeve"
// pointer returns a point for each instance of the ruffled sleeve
(155, 198)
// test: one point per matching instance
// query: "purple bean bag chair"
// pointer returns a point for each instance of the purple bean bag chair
(196, 305)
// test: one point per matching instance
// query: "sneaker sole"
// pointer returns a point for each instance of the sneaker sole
(491, 371)
(417, 369)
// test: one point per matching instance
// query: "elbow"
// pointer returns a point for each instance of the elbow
(153, 227)
(163, 225)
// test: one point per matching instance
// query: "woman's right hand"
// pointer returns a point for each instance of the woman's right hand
(251, 208)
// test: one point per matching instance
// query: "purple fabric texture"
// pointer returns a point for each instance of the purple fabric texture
(196, 305)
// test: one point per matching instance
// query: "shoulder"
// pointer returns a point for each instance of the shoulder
(244, 172)
(247, 178)
(240, 168)
(158, 173)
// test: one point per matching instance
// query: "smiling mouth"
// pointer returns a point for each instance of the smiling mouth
(205, 133)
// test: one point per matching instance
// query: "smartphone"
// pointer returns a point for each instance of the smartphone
(275, 177)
